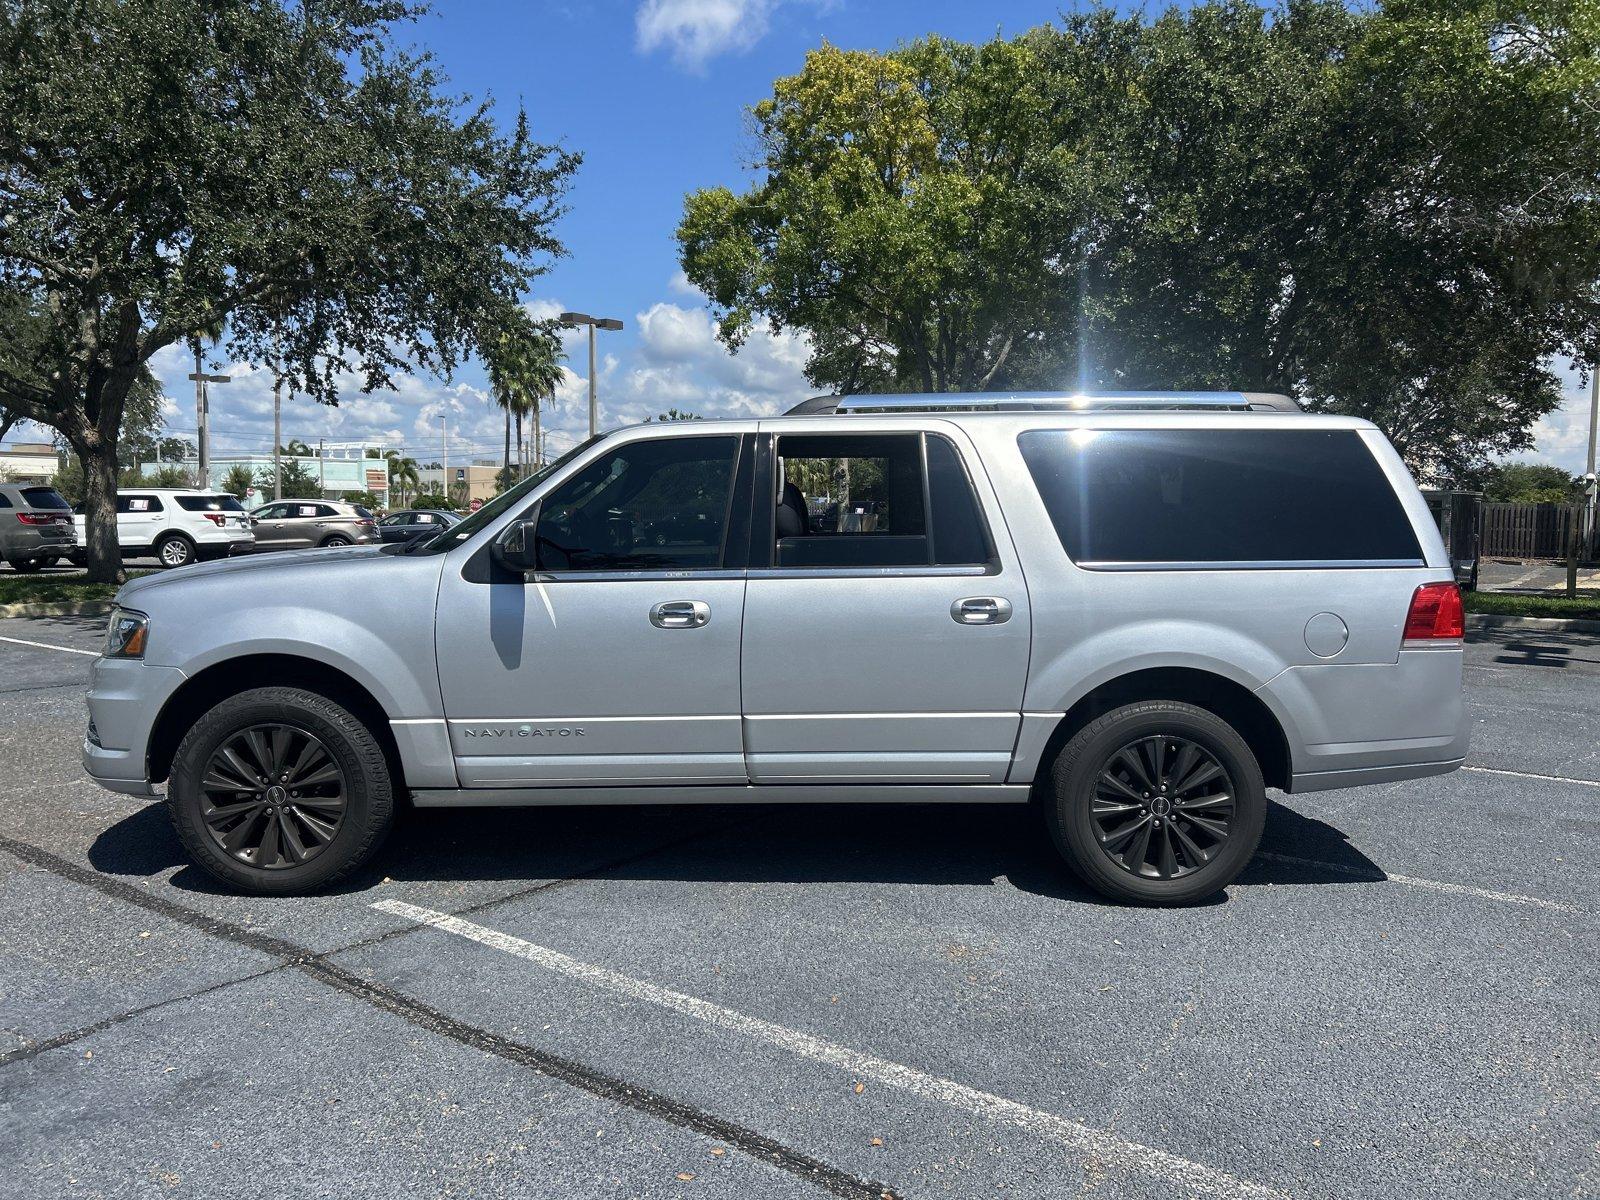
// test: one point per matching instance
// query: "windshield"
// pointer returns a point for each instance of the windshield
(449, 539)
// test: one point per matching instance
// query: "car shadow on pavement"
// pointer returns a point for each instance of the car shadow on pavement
(963, 845)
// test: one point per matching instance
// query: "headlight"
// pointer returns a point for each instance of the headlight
(126, 633)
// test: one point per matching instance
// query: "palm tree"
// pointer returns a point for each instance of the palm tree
(524, 362)
(403, 475)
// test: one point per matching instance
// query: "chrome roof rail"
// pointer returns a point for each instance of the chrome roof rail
(1048, 402)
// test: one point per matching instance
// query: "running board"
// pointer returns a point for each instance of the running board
(795, 793)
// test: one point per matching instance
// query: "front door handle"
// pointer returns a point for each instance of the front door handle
(680, 614)
(981, 610)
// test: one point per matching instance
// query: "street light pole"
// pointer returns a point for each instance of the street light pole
(572, 320)
(1588, 471)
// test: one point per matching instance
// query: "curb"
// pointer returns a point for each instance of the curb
(1549, 624)
(64, 608)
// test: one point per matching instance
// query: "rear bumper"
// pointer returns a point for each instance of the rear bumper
(1351, 725)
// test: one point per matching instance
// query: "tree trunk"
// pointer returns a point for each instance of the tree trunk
(99, 462)
(538, 439)
(508, 447)
(519, 441)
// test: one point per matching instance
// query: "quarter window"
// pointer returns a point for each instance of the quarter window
(1219, 497)
(650, 505)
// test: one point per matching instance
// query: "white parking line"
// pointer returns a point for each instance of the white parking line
(1194, 1178)
(1531, 775)
(51, 646)
(1432, 885)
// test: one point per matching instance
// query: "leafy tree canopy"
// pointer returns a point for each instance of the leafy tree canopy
(1527, 483)
(1392, 212)
(168, 167)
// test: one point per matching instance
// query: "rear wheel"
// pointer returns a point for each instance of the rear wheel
(175, 550)
(280, 791)
(337, 539)
(26, 566)
(1159, 802)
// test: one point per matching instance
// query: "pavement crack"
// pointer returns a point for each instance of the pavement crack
(758, 1146)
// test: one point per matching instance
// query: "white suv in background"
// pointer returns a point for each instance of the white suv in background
(176, 526)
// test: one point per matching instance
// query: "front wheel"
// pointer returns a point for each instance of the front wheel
(1159, 802)
(280, 791)
(175, 551)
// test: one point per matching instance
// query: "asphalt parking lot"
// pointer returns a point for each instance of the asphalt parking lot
(1399, 999)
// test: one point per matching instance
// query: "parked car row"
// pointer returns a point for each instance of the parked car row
(179, 526)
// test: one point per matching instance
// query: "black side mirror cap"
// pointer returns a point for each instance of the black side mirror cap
(516, 549)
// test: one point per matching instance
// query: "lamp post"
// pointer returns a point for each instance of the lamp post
(572, 320)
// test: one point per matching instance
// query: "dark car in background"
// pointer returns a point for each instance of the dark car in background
(413, 522)
(303, 524)
(35, 526)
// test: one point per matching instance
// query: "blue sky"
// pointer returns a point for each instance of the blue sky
(654, 94)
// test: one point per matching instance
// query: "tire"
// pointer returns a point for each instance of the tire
(265, 827)
(337, 539)
(1108, 779)
(26, 566)
(175, 550)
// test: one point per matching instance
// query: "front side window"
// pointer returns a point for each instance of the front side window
(1215, 497)
(647, 505)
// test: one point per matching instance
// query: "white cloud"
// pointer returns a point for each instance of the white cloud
(1562, 437)
(679, 285)
(696, 31)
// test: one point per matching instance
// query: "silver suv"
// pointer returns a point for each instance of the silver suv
(301, 524)
(1141, 610)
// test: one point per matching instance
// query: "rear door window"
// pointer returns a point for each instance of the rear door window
(138, 504)
(1126, 498)
(208, 504)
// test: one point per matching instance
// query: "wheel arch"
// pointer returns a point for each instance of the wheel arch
(1229, 700)
(215, 683)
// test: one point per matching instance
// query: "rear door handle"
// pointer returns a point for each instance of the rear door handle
(680, 614)
(981, 610)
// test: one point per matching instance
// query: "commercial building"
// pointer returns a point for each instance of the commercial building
(28, 462)
(342, 468)
(475, 481)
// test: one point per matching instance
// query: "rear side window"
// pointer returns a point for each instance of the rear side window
(364, 514)
(44, 497)
(208, 504)
(5, 500)
(1219, 497)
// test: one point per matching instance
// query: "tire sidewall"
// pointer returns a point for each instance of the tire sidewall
(337, 539)
(369, 807)
(1079, 764)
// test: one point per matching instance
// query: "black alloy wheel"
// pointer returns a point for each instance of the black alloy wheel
(1163, 807)
(273, 797)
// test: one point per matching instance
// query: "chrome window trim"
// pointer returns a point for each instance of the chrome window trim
(920, 572)
(1286, 564)
(634, 576)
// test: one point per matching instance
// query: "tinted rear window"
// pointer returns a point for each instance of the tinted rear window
(44, 497)
(209, 504)
(1218, 496)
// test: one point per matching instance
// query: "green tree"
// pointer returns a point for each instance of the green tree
(167, 166)
(1392, 212)
(913, 216)
(1526, 483)
(299, 483)
(432, 498)
(403, 477)
(523, 358)
(239, 480)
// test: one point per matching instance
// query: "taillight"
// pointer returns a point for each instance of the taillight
(368, 524)
(1435, 613)
(218, 519)
(28, 518)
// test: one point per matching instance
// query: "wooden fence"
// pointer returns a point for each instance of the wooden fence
(1530, 531)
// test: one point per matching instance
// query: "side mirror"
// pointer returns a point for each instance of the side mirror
(516, 549)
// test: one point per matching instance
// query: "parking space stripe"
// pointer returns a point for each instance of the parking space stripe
(315, 966)
(1432, 885)
(1171, 1169)
(1595, 783)
(50, 646)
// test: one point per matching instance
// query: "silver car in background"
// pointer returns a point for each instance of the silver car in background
(302, 524)
(1140, 610)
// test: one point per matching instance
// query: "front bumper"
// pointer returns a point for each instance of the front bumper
(125, 698)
